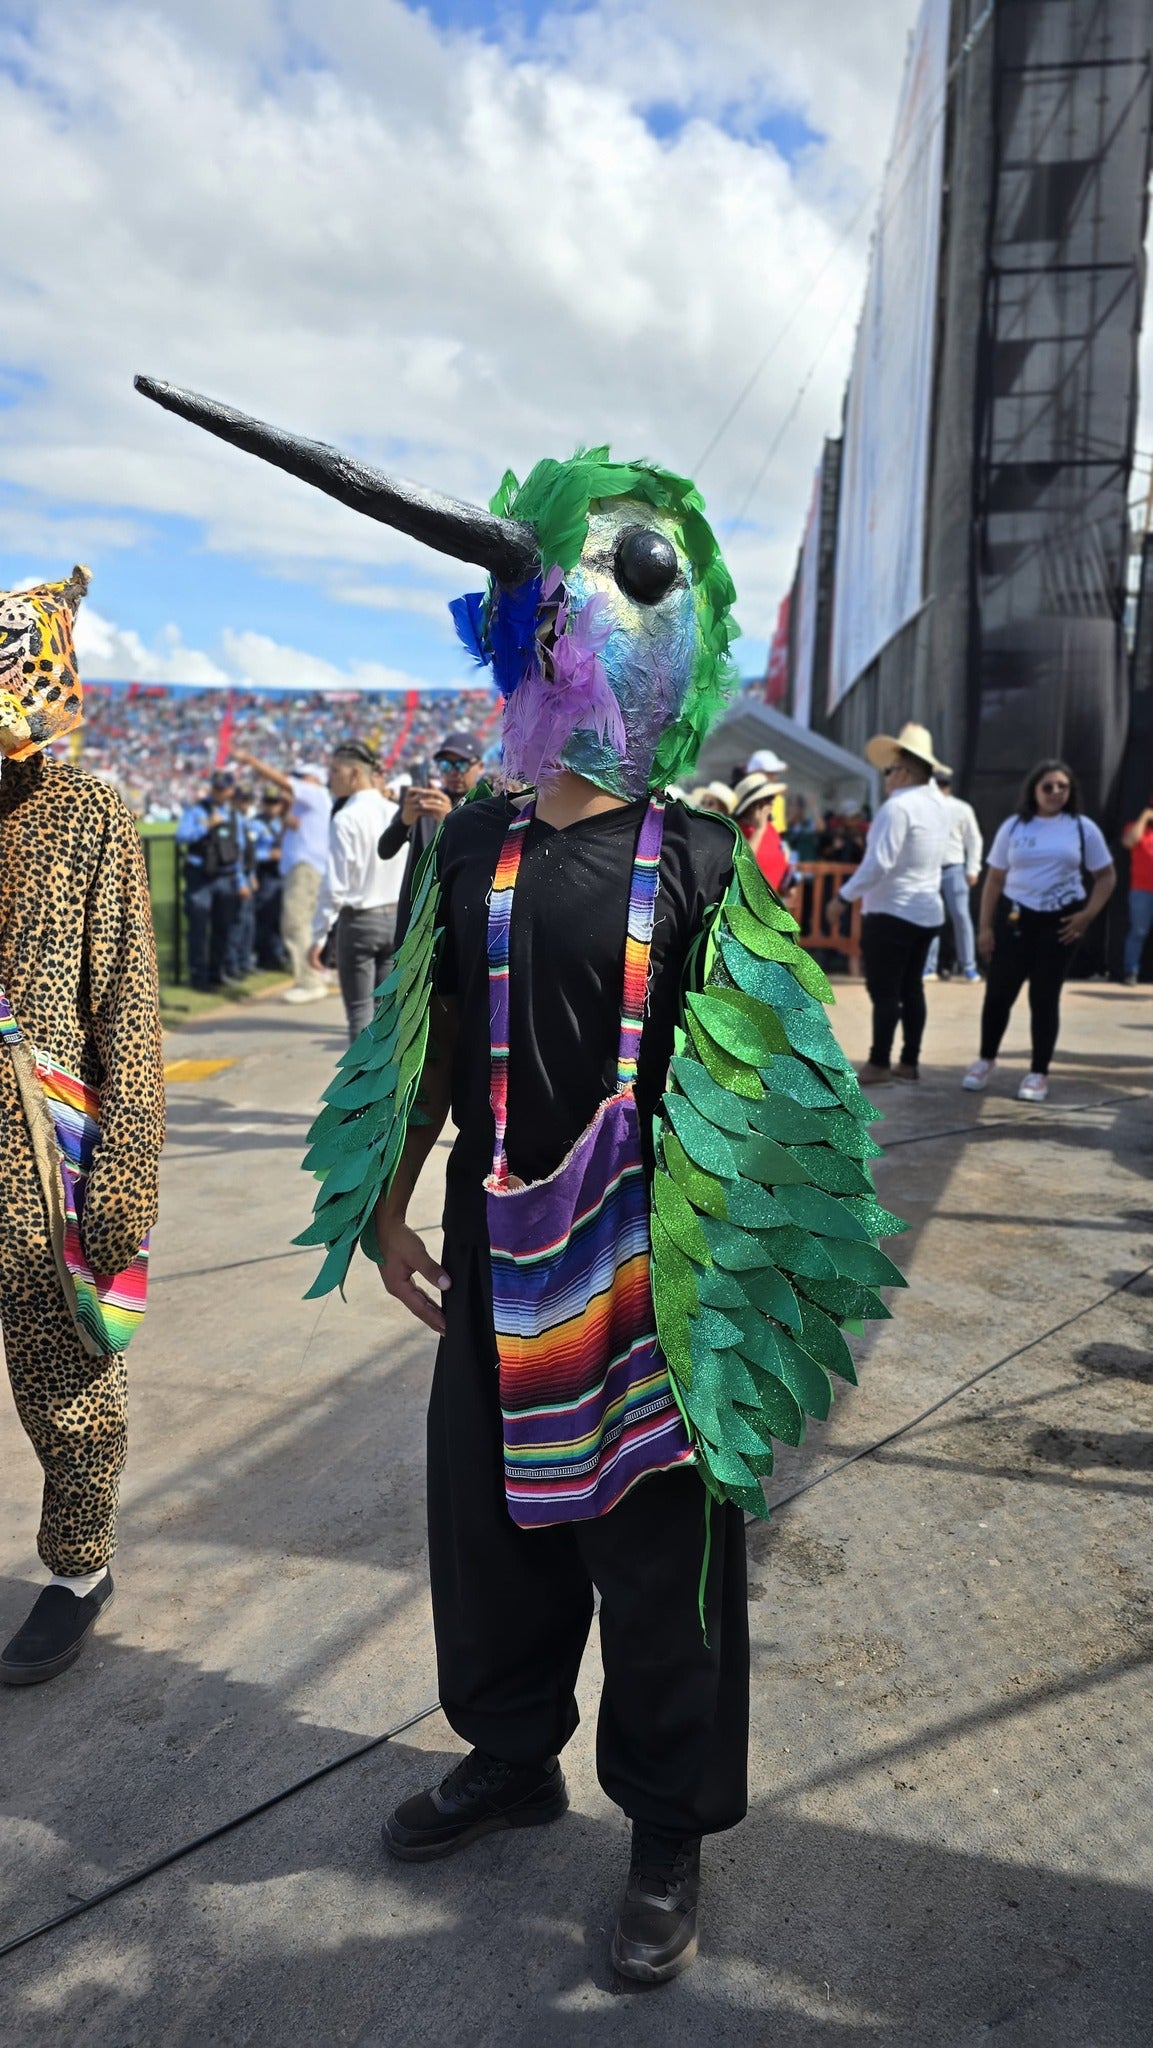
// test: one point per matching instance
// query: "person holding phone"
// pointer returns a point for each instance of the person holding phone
(1049, 875)
(422, 808)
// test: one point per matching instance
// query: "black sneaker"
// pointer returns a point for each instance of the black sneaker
(656, 1933)
(479, 1796)
(54, 1634)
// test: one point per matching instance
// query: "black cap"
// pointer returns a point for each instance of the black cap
(463, 743)
(223, 778)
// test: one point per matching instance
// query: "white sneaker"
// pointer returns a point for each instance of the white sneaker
(297, 994)
(1034, 1088)
(978, 1075)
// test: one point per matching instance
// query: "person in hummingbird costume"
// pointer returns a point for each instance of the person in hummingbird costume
(82, 1116)
(659, 1214)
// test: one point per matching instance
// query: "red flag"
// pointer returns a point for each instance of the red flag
(777, 672)
(224, 736)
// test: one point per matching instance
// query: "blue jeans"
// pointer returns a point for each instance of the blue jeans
(955, 890)
(1140, 926)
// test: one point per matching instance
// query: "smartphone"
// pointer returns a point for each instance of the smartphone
(422, 774)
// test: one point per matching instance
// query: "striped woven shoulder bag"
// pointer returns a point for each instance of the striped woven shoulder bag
(63, 1117)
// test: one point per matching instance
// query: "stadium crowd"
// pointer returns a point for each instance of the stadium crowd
(158, 744)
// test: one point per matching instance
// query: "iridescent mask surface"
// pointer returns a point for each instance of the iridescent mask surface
(607, 619)
(613, 662)
(40, 693)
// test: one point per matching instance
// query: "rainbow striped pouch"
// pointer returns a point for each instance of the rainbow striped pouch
(63, 1116)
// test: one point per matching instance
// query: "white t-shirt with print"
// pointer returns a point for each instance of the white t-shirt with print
(1042, 859)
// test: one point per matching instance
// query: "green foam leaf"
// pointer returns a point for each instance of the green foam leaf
(742, 1027)
(865, 1263)
(798, 1251)
(752, 1206)
(823, 1341)
(875, 1221)
(765, 979)
(680, 1219)
(718, 1289)
(833, 1172)
(733, 1249)
(674, 1276)
(759, 1159)
(700, 1188)
(769, 1291)
(793, 1078)
(715, 1103)
(827, 1215)
(846, 1300)
(757, 937)
(758, 895)
(706, 1146)
(726, 1071)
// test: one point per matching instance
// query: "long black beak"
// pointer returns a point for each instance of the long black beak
(507, 548)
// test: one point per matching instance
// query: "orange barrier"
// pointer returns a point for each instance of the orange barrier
(817, 882)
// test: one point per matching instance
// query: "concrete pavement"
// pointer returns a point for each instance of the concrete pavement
(948, 1840)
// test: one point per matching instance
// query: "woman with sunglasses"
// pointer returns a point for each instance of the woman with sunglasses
(1034, 911)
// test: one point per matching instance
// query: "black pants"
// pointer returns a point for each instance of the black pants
(513, 1607)
(1026, 948)
(894, 952)
(211, 909)
(364, 942)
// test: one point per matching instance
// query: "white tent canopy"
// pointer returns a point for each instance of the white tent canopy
(827, 774)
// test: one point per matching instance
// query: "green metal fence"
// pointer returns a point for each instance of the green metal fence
(163, 862)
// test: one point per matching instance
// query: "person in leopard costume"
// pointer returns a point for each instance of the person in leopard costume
(78, 970)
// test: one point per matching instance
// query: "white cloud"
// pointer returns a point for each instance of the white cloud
(253, 659)
(447, 253)
(107, 652)
(111, 653)
(420, 239)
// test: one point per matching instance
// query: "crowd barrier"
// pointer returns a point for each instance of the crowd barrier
(817, 882)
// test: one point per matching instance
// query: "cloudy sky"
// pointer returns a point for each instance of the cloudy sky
(452, 238)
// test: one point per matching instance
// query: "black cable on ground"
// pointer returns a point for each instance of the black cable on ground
(135, 1877)
(239, 1820)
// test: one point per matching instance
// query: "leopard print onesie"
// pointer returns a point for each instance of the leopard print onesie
(78, 962)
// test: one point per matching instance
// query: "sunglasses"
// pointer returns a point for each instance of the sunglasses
(1053, 788)
(453, 764)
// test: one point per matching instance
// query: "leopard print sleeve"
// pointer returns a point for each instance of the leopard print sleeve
(123, 1003)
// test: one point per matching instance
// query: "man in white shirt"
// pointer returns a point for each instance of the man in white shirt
(962, 866)
(359, 891)
(899, 886)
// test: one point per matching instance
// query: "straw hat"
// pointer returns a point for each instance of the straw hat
(720, 792)
(755, 789)
(917, 740)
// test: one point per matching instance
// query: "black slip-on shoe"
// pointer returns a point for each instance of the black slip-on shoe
(479, 1796)
(54, 1634)
(656, 1933)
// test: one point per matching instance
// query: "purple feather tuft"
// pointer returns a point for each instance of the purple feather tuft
(544, 714)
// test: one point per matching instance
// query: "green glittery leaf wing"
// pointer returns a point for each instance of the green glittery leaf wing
(765, 1220)
(357, 1139)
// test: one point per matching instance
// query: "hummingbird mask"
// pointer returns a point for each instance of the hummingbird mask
(607, 617)
(40, 693)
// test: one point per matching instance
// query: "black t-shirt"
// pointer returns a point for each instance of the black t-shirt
(566, 961)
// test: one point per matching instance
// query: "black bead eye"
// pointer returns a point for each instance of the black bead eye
(646, 565)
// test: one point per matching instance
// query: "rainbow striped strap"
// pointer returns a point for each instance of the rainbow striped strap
(638, 945)
(10, 1032)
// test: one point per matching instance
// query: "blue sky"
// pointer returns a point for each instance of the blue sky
(453, 237)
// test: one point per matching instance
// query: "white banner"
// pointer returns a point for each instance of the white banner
(806, 629)
(885, 463)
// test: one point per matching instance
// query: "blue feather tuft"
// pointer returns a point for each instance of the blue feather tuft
(468, 618)
(512, 623)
